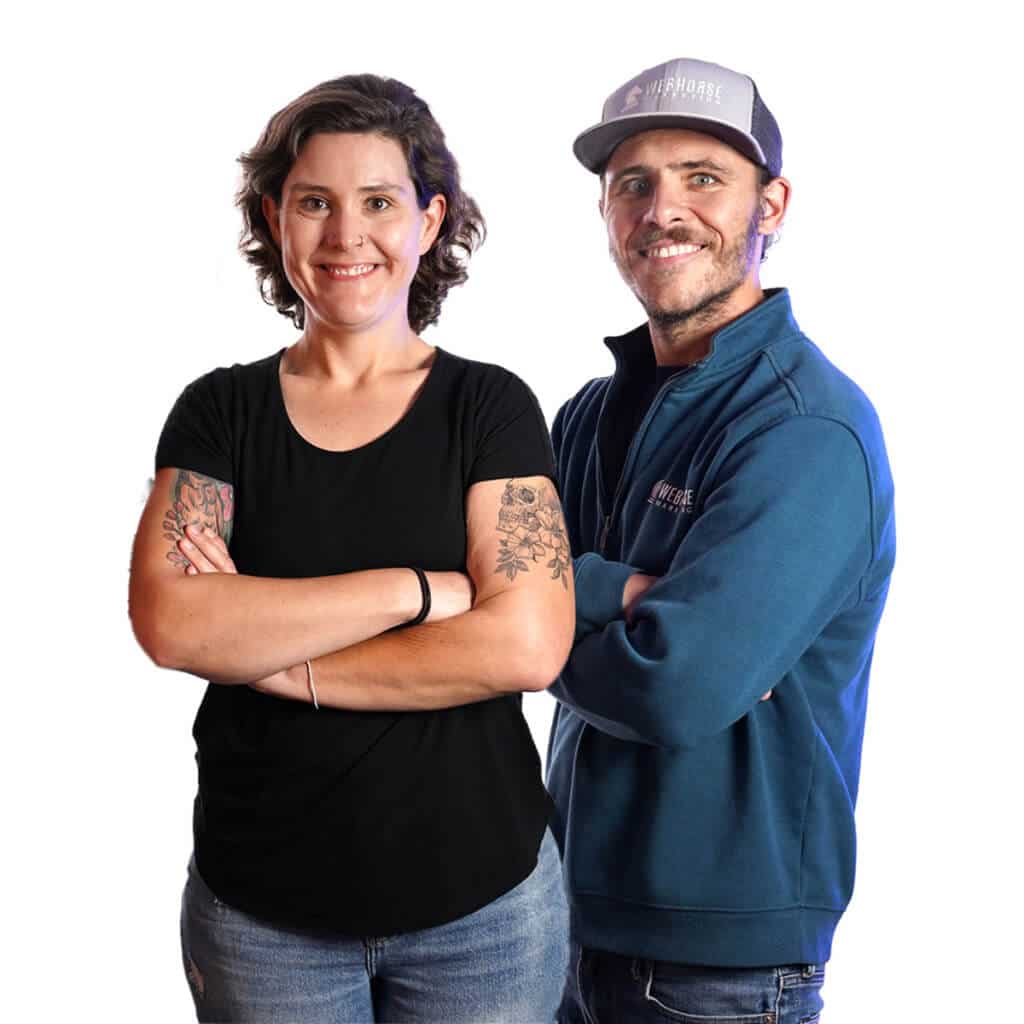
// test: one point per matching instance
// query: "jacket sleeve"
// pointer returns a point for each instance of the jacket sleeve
(781, 542)
(599, 599)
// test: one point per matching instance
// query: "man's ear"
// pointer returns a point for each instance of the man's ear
(774, 203)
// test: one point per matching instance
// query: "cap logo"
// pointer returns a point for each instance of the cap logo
(694, 88)
(632, 99)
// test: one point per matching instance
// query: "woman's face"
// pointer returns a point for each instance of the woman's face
(350, 230)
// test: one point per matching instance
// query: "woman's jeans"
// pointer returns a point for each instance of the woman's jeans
(505, 962)
(605, 988)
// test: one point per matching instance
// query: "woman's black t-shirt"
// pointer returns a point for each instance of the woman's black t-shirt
(364, 823)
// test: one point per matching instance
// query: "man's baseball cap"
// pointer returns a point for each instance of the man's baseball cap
(689, 94)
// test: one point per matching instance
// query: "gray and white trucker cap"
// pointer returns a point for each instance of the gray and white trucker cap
(689, 94)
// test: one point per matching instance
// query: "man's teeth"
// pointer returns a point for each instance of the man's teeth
(674, 250)
(356, 271)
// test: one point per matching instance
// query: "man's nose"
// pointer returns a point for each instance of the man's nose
(668, 204)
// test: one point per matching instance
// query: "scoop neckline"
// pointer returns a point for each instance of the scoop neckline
(400, 424)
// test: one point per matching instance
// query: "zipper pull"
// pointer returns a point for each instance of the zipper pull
(604, 533)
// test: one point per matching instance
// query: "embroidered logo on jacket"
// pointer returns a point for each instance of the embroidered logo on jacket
(674, 499)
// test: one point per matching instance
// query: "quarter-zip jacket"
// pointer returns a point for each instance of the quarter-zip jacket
(699, 824)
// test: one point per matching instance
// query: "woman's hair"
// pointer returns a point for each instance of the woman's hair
(360, 103)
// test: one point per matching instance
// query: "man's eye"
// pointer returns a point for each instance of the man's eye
(378, 203)
(636, 186)
(705, 179)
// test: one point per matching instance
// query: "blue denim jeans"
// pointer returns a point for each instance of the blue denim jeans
(505, 962)
(605, 988)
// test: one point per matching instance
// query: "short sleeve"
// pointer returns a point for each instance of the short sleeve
(511, 435)
(197, 433)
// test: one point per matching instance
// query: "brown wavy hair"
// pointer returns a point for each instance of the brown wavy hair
(360, 103)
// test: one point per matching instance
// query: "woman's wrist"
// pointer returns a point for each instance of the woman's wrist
(406, 595)
(424, 585)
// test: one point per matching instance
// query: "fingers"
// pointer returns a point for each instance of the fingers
(635, 587)
(206, 551)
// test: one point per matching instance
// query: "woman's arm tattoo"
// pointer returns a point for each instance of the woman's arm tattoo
(534, 531)
(197, 500)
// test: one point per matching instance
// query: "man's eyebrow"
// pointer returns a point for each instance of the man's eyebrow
(705, 164)
(627, 171)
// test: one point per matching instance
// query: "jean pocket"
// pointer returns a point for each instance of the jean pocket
(800, 997)
(707, 995)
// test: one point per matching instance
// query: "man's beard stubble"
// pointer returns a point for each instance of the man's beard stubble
(705, 311)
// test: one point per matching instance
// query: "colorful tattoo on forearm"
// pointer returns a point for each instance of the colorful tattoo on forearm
(534, 531)
(197, 500)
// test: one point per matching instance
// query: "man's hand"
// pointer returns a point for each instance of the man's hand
(636, 586)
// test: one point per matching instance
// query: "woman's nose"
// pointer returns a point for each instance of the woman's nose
(344, 231)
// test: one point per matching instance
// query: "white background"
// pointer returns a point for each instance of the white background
(121, 128)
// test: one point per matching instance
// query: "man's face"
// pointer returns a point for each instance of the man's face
(682, 211)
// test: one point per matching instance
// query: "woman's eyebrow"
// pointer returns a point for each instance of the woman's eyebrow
(383, 186)
(306, 186)
(378, 186)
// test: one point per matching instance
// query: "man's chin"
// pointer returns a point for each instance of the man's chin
(689, 309)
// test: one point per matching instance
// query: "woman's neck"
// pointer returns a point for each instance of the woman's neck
(354, 357)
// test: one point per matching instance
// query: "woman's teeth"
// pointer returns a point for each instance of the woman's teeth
(355, 271)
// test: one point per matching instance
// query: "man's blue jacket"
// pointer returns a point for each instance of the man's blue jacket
(699, 824)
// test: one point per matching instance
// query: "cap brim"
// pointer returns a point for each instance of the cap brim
(594, 147)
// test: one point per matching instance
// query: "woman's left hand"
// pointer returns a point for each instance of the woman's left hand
(205, 551)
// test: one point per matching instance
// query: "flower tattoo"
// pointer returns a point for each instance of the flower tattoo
(531, 520)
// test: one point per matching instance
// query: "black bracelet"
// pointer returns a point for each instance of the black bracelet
(425, 590)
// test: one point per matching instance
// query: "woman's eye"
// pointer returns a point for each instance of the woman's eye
(379, 203)
(314, 204)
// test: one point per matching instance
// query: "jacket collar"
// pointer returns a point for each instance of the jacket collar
(757, 329)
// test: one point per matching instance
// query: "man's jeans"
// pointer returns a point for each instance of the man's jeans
(505, 962)
(604, 988)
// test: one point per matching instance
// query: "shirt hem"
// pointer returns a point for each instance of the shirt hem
(756, 938)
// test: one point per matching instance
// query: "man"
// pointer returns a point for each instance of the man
(730, 507)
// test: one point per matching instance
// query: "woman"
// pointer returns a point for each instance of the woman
(370, 828)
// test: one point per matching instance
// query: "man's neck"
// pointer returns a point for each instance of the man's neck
(689, 341)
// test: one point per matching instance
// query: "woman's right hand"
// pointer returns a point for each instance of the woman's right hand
(451, 594)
